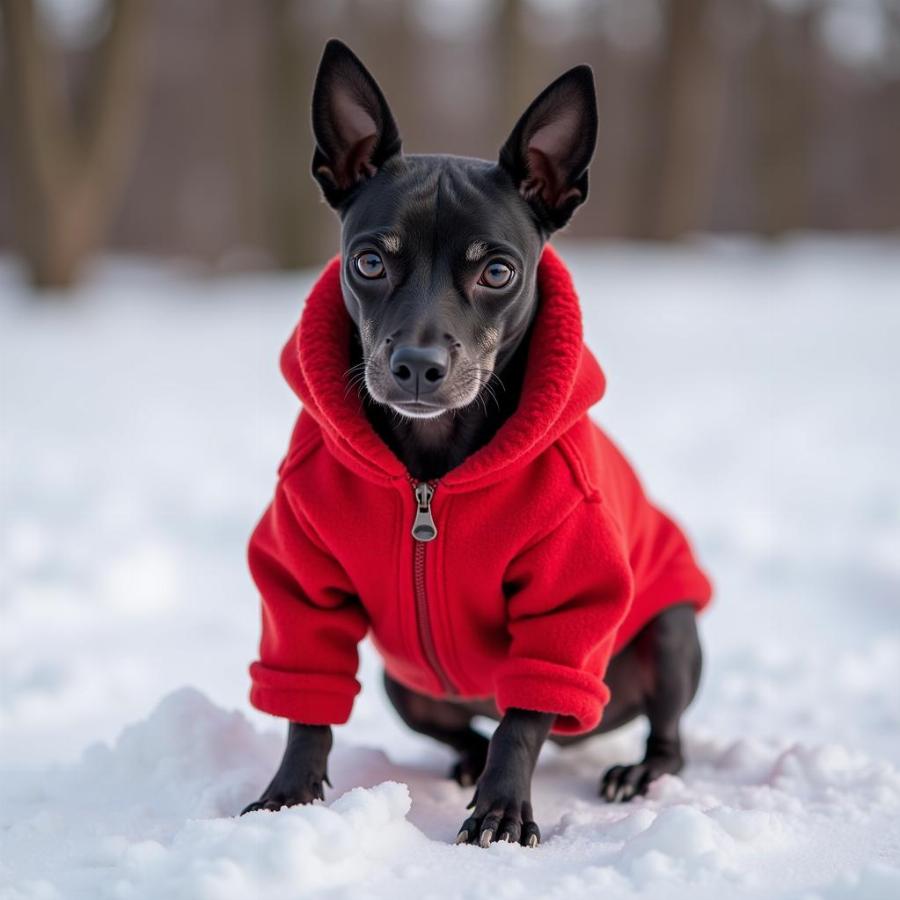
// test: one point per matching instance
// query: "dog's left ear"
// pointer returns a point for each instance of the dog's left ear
(550, 148)
(354, 129)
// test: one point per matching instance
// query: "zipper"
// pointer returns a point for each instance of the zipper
(423, 531)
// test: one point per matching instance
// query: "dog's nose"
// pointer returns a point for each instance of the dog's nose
(420, 370)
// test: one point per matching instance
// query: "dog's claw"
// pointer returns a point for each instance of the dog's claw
(623, 783)
(531, 835)
(507, 821)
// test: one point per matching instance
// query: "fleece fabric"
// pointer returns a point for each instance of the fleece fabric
(548, 556)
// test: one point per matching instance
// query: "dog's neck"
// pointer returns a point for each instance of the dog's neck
(429, 448)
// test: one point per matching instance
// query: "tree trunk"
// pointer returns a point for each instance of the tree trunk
(67, 179)
(689, 98)
(512, 83)
(785, 64)
(295, 212)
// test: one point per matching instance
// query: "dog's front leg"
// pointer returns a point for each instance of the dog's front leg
(303, 769)
(502, 801)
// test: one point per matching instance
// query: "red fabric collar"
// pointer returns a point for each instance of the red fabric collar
(562, 381)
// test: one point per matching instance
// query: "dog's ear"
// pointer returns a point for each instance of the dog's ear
(550, 148)
(352, 123)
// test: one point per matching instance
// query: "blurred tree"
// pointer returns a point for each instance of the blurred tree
(623, 43)
(295, 213)
(66, 177)
(885, 143)
(785, 66)
(688, 104)
(512, 89)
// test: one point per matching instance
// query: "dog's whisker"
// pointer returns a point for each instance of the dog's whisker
(357, 381)
(486, 385)
(360, 366)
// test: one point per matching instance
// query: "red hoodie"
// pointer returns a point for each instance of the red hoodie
(548, 557)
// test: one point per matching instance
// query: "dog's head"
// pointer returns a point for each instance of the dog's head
(440, 253)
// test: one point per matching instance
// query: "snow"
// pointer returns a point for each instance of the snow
(142, 421)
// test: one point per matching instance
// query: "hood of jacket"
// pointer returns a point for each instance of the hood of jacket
(562, 381)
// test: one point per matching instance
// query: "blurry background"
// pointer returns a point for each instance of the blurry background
(182, 129)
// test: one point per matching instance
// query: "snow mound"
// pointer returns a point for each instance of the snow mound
(291, 853)
(186, 743)
(154, 815)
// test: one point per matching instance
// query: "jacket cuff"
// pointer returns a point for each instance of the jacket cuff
(577, 697)
(303, 697)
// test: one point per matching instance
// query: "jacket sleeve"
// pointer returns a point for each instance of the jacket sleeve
(312, 622)
(567, 594)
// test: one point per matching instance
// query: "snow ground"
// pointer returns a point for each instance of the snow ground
(756, 389)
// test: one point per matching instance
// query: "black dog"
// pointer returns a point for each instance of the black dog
(419, 207)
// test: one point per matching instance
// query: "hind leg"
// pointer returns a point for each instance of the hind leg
(447, 722)
(666, 661)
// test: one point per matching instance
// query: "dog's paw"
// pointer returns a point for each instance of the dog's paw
(499, 819)
(282, 794)
(468, 768)
(621, 783)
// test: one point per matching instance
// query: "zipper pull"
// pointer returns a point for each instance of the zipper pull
(424, 529)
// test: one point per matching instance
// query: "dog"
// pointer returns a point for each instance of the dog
(445, 388)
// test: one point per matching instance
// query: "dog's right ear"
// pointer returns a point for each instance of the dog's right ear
(352, 123)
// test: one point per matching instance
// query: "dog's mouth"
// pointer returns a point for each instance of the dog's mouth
(417, 409)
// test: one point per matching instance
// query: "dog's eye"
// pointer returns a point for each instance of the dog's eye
(496, 274)
(369, 265)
